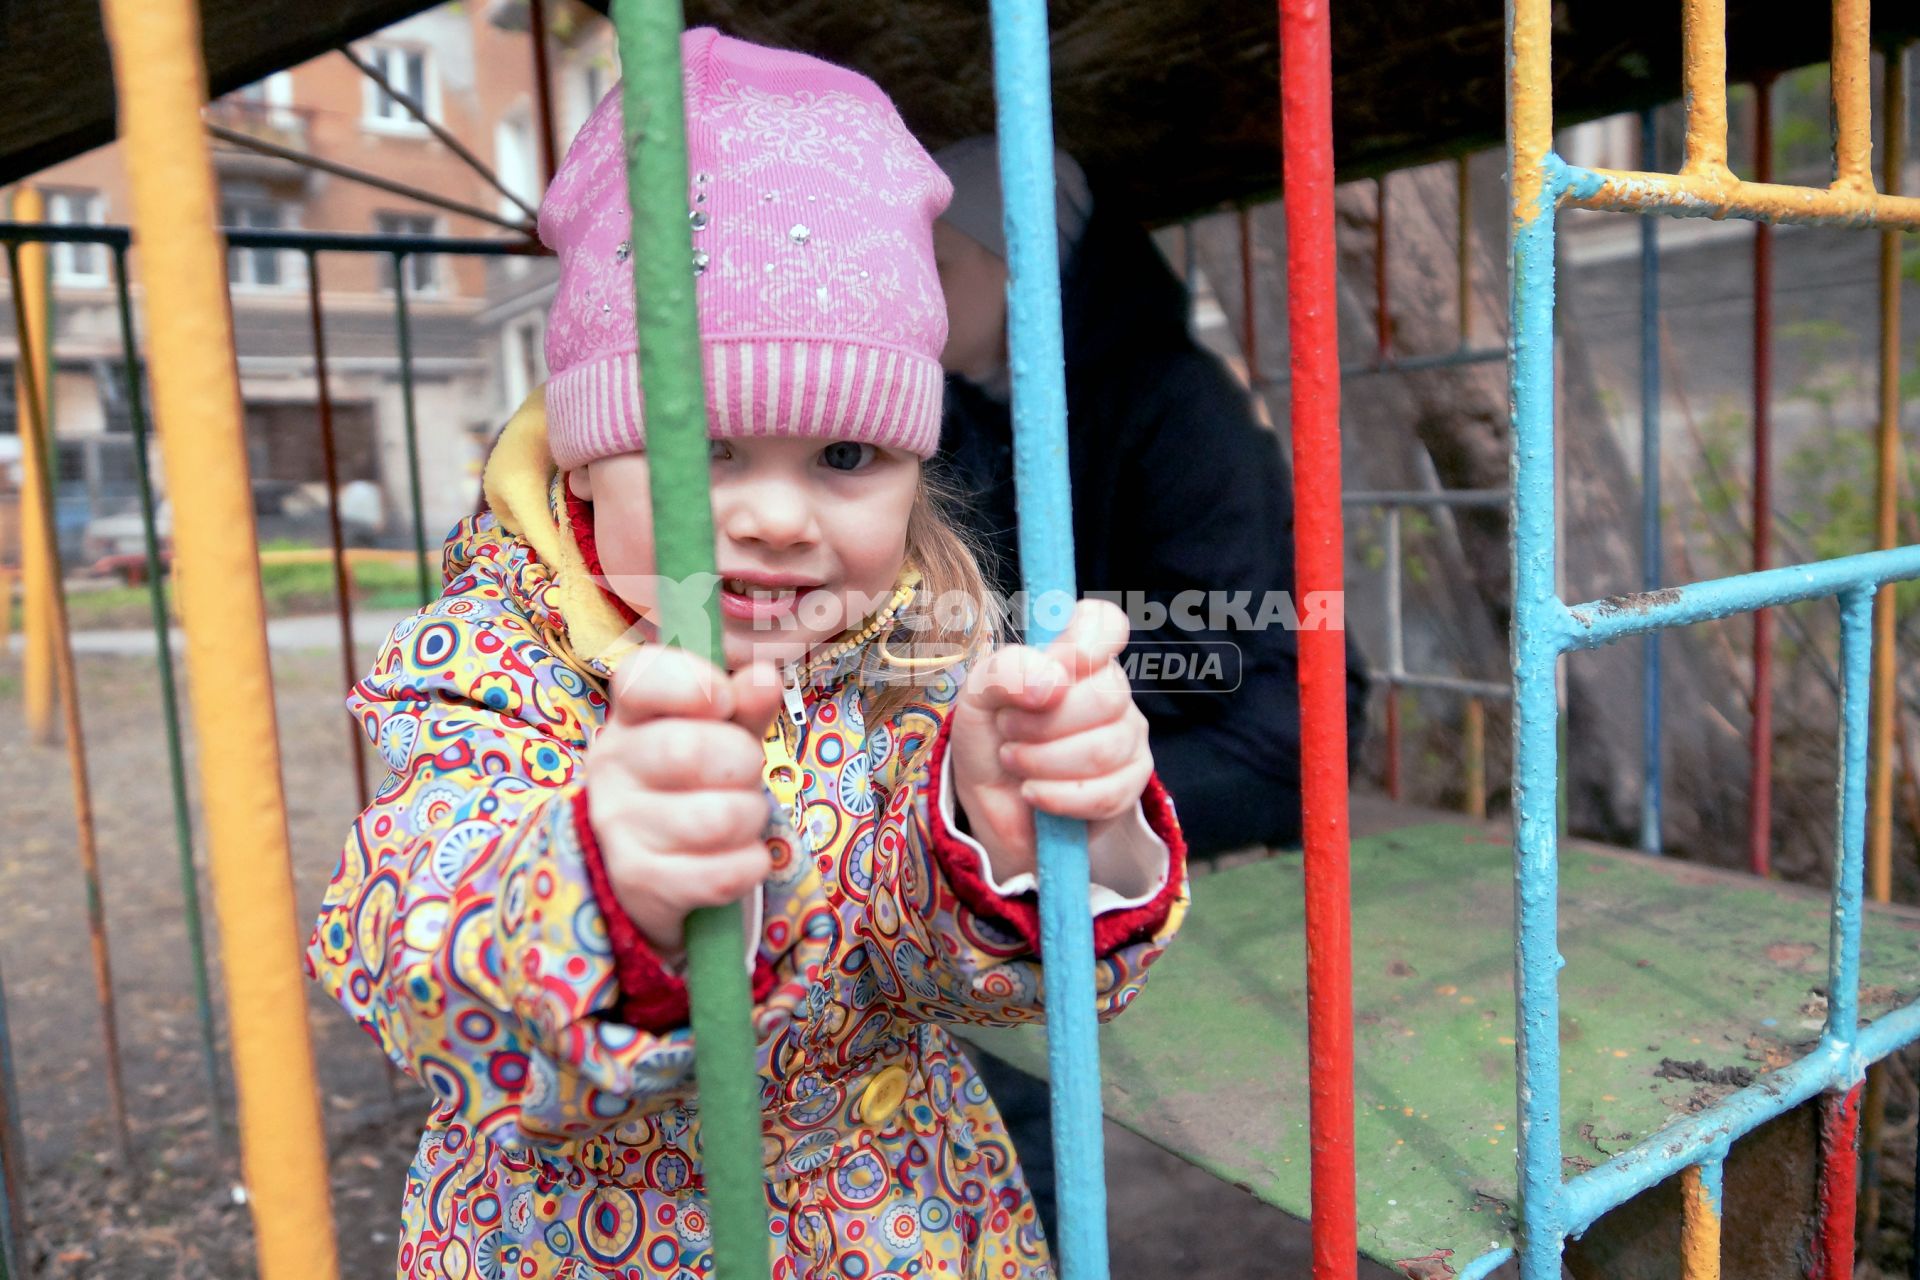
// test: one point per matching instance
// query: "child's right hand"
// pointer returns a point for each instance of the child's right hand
(674, 787)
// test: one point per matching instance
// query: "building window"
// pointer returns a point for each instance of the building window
(514, 163)
(423, 269)
(524, 365)
(256, 268)
(9, 401)
(407, 69)
(81, 264)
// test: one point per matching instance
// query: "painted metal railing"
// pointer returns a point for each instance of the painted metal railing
(1546, 629)
(24, 241)
(1393, 675)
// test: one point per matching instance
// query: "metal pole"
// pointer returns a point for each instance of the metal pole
(169, 700)
(1534, 193)
(1463, 246)
(439, 131)
(310, 161)
(1022, 96)
(1476, 801)
(1887, 487)
(1760, 792)
(1651, 544)
(543, 88)
(13, 1165)
(405, 330)
(1884, 709)
(1700, 1188)
(39, 576)
(1396, 656)
(161, 85)
(722, 1002)
(34, 441)
(1382, 316)
(342, 585)
(1306, 111)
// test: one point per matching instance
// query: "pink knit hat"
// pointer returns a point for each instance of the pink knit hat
(812, 210)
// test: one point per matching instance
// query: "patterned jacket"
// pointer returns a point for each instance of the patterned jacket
(471, 929)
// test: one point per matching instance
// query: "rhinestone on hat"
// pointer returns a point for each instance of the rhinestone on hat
(798, 233)
(623, 251)
(700, 261)
(697, 219)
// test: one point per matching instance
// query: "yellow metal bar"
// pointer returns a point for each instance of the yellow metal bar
(39, 579)
(1627, 191)
(1852, 74)
(1886, 534)
(1699, 1226)
(1703, 78)
(161, 85)
(1887, 494)
(1476, 805)
(1529, 105)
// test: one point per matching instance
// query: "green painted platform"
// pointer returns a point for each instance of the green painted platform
(1667, 963)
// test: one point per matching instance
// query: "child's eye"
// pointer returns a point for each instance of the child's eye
(847, 455)
(718, 450)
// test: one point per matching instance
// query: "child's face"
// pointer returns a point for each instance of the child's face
(809, 537)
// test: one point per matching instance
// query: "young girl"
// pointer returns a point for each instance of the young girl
(508, 916)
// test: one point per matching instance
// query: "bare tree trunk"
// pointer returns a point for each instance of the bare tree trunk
(1450, 426)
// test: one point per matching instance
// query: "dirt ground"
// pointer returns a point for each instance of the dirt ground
(173, 1211)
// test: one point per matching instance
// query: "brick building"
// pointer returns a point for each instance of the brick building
(475, 322)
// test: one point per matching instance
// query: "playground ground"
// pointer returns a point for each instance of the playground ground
(172, 1211)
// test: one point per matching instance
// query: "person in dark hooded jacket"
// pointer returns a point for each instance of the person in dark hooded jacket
(1181, 500)
(1177, 489)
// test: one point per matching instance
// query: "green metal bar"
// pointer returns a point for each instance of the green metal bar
(405, 330)
(655, 133)
(169, 700)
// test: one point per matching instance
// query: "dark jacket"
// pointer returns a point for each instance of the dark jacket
(1176, 487)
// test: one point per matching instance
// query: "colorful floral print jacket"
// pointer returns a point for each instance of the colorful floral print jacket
(471, 930)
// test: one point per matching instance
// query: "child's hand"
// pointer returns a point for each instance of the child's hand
(674, 788)
(1055, 730)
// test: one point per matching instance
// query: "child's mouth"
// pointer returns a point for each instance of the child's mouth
(753, 600)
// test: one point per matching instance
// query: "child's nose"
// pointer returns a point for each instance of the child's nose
(774, 513)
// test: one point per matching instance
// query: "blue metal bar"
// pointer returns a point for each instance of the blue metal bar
(1650, 534)
(1599, 622)
(1538, 625)
(1856, 683)
(1484, 1265)
(1022, 88)
(1661, 1155)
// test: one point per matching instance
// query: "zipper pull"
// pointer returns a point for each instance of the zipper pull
(796, 704)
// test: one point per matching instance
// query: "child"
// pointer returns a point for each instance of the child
(507, 918)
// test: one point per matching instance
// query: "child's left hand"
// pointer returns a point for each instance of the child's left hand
(1052, 729)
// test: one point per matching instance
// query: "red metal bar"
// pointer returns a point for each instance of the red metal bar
(342, 588)
(543, 87)
(1839, 1181)
(1249, 319)
(1306, 113)
(1760, 793)
(1382, 316)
